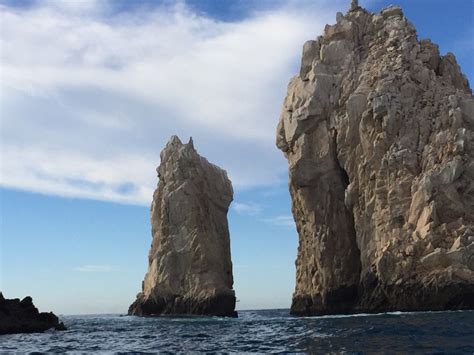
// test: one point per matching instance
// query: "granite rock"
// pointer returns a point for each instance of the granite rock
(378, 132)
(190, 269)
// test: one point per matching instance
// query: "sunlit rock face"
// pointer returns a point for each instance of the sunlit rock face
(190, 269)
(378, 132)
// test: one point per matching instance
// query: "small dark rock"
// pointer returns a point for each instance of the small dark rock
(23, 317)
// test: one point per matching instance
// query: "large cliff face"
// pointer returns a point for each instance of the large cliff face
(378, 132)
(190, 269)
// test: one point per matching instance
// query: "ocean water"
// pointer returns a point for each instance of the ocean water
(257, 331)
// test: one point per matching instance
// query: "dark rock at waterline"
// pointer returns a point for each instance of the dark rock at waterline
(220, 306)
(23, 317)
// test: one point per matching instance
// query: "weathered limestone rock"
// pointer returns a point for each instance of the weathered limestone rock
(378, 132)
(23, 317)
(190, 269)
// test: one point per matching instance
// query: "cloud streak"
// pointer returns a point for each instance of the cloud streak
(94, 268)
(89, 99)
(285, 221)
(250, 209)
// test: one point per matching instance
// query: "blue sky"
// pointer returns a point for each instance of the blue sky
(91, 91)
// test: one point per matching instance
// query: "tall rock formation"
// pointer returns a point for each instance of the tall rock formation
(378, 132)
(190, 269)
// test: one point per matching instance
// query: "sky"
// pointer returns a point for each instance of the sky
(91, 91)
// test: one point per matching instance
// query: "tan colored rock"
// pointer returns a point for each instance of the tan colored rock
(190, 269)
(378, 133)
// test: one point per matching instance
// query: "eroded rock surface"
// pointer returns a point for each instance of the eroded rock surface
(23, 317)
(378, 132)
(190, 269)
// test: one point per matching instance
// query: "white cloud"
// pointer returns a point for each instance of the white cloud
(88, 100)
(251, 208)
(94, 268)
(286, 221)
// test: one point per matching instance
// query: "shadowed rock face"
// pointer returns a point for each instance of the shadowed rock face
(23, 317)
(378, 132)
(190, 269)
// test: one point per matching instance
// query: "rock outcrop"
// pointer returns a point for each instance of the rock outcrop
(23, 317)
(190, 269)
(378, 132)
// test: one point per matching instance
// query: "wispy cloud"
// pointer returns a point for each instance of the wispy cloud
(94, 268)
(286, 221)
(251, 208)
(89, 98)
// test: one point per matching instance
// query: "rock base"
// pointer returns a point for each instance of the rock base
(410, 297)
(23, 317)
(340, 301)
(221, 306)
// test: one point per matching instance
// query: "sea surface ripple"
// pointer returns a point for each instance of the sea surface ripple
(256, 331)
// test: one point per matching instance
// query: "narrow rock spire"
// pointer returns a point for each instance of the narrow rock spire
(190, 268)
(354, 5)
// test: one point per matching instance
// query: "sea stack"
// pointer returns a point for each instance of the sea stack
(378, 132)
(190, 268)
(23, 317)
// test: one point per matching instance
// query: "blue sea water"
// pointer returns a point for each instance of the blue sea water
(257, 331)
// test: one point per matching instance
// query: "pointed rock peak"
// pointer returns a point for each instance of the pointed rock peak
(354, 5)
(174, 140)
(190, 143)
(27, 299)
(173, 145)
